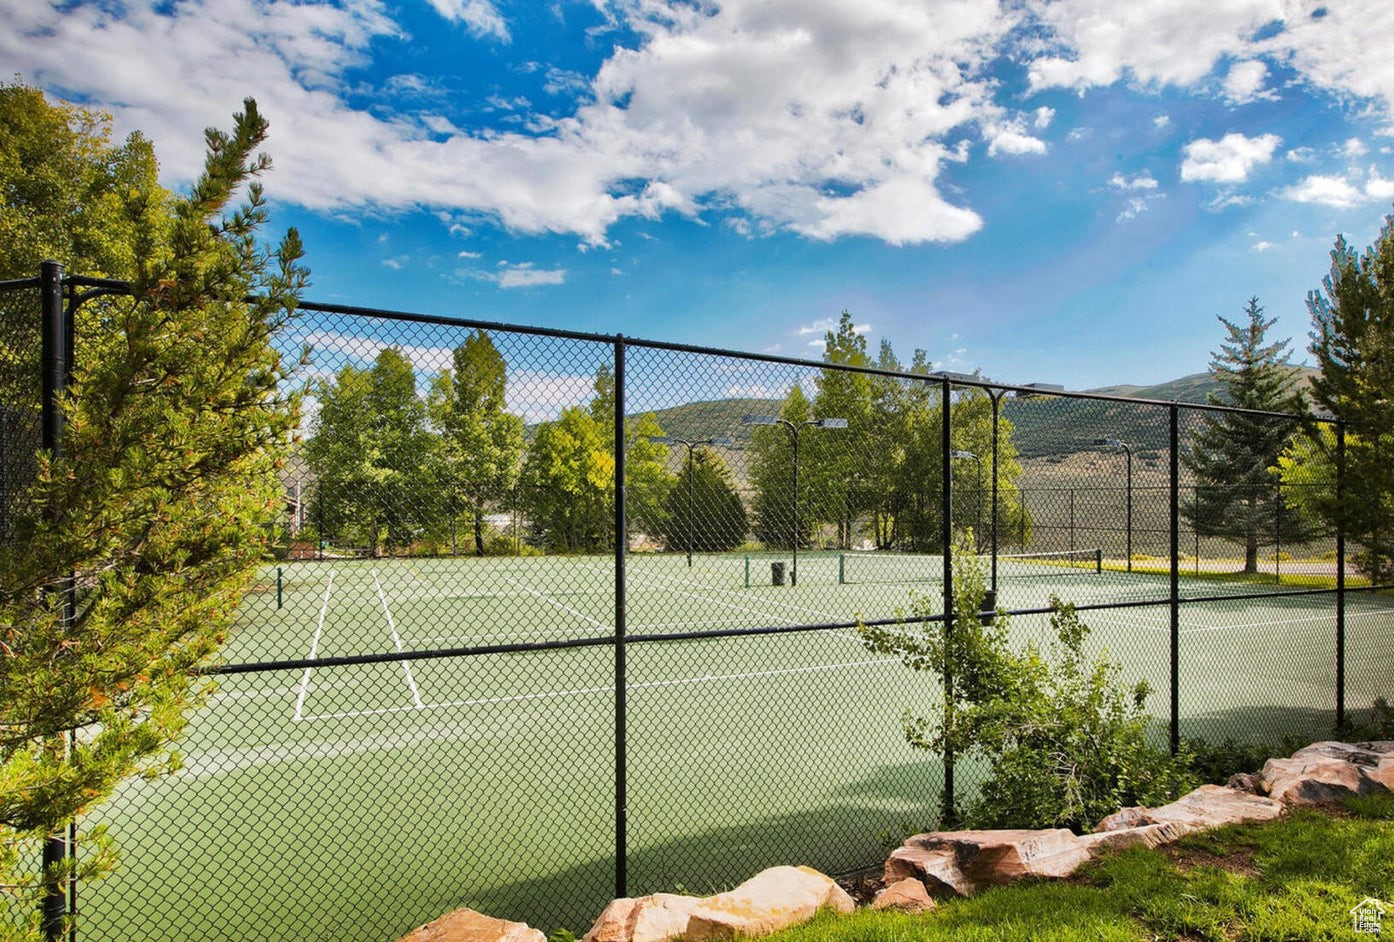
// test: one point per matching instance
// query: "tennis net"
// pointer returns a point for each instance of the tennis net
(871, 567)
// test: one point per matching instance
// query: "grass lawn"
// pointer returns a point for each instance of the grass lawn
(1294, 878)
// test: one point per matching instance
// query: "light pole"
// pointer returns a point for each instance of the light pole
(691, 510)
(978, 516)
(793, 428)
(1115, 443)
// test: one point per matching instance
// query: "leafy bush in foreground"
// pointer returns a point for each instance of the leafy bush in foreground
(1066, 740)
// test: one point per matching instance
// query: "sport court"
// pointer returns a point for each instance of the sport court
(490, 778)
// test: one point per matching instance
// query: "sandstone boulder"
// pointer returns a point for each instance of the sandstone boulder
(656, 918)
(769, 901)
(1354, 753)
(1211, 806)
(466, 925)
(936, 868)
(1313, 778)
(1144, 835)
(907, 896)
(1250, 782)
(1134, 817)
(983, 857)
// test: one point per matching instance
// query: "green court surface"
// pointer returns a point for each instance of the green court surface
(399, 790)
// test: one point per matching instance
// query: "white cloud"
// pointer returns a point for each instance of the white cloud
(1324, 190)
(1143, 181)
(393, 263)
(823, 119)
(1262, 245)
(480, 17)
(521, 275)
(1011, 137)
(1245, 82)
(827, 325)
(1228, 160)
(1377, 187)
(820, 119)
(1151, 42)
(465, 253)
(1301, 155)
(757, 390)
(1161, 121)
(1354, 147)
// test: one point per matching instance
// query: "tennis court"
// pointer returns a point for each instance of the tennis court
(490, 778)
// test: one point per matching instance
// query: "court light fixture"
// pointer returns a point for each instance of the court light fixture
(794, 428)
(689, 444)
(1119, 443)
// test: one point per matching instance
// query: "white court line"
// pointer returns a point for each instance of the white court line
(314, 648)
(553, 694)
(554, 603)
(397, 640)
(778, 607)
(772, 603)
(1202, 629)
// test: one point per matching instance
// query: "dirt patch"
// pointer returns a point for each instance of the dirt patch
(1238, 860)
(862, 885)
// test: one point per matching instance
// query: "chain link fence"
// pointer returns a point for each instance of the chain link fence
(478, 672)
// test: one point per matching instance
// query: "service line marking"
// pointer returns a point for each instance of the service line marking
(555, 604)
(314, 648)
(397, 640)
(645, 685)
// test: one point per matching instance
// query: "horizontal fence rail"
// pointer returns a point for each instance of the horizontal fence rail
(555, 616)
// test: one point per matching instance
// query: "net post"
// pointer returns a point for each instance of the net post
(278, 587)
(841, 568)
(1099, 561)
(747, 572)
(621, 680)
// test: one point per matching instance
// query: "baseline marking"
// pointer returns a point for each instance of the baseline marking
(397, 640)
(314, 648)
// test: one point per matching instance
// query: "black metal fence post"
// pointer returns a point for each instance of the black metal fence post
(1175, 509)
(946, 509)
(1342, 520)
(621, 676)
(55, 340)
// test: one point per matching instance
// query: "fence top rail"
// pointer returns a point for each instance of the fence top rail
(947, 380)
(19, 284)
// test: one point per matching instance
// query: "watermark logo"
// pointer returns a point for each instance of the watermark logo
(1367, 916)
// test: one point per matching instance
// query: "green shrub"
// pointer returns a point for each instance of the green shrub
(1214, 763)
(1066, 740)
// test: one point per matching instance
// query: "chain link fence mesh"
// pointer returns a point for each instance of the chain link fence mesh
(438, 694)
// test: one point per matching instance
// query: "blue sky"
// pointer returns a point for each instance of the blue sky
(1064, 191)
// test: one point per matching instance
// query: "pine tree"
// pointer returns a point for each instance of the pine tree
(704, 512)
(157, 508)
(1231, 454)
(1352, 339)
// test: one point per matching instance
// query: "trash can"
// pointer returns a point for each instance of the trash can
(777, 573)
